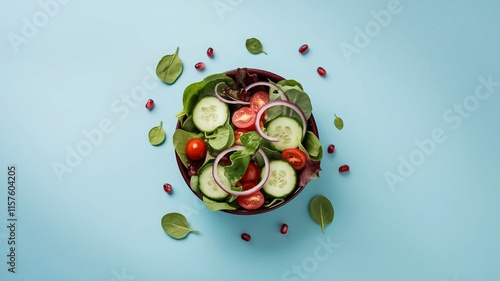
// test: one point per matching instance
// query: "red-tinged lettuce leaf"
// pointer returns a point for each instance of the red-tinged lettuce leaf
(243, 79)
(310, 171)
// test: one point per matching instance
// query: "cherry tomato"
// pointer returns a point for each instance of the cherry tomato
(196, 149)
(252, 173)
(296, 157)
(258, 99)
(252, 201)
(244, 118)
(237, 135)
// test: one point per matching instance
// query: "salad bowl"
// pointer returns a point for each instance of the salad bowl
(248, 81)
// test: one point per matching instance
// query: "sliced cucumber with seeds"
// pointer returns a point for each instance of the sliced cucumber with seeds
(207, 185)
(282, 179)
(287, 130)
(210, 113)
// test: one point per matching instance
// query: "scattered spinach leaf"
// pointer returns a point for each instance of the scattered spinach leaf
(169, 68)
(157, 135)
(176, 225)
(254, 46)
(338, 122)
(321, 211)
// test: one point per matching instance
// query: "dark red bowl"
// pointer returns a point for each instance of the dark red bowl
(311, 126)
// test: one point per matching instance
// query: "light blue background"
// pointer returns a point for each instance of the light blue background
(101, 221)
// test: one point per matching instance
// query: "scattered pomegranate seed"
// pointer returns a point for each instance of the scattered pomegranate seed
(344, 169)
(150, 103)
(210, 52)
(246, 237)
(168, 188)
(321, 71)
(303, 48)
(331, 149)
(284, 228)
(199, 66)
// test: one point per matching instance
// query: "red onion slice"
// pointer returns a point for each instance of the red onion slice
(245, 192)
(291, 105)
(270, 85)
(231, 101)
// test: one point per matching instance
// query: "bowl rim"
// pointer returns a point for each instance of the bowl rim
(311, 124)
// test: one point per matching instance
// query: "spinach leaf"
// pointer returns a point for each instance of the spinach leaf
(169, 68)
(250, 141)
(188, 124)
(321, 211)
(176, 225)
(338, 122)
(238, 167)
(254, 46)
(275, 201)
(301, 99)
(289, 83)
(180, 139)
(157, 135)
(222, 138)
(216, 206)
(313, 146)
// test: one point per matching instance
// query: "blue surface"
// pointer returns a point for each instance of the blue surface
(421, 201)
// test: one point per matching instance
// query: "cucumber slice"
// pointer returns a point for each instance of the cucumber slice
(207, 185)
(287, 130)
(210, 113)
(282, 179)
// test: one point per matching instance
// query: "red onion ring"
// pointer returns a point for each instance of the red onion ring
(270, 85)
(231, 101)
(283, 103)
(245, 192)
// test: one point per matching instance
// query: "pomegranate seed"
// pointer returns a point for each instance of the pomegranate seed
(168, 188)
(331, 148)
(284, 228)
(246, 237)
(344, 169)
(199, 66)
(321, 71)
(150, 103)
(303, 48)
(210, 52)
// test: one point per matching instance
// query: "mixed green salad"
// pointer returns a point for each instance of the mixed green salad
(244, 140)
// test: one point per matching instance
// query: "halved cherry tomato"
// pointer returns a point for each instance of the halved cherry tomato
(196, 149)
(244, 118)
(237, 135)
(252, 201)
(296, 157)
(258, 99)
(252, 173)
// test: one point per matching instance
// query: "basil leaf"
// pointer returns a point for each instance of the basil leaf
(157, 135)
(216, 206)
(176, 225)
(169, 68)
(338, 122)
(180, 139)
(321, 211)
(254, 46)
